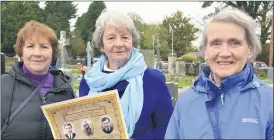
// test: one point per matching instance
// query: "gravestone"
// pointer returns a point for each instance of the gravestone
(18, 58)
(158, 58)
(64, 55)
(3, 63)
(173, 89)
(270, 73)
(88, 50)
(180, 68)
(92, 51)
(192, 69)
(148, 56)
(171, 63)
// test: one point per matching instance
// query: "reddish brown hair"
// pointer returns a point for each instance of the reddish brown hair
(40, 30)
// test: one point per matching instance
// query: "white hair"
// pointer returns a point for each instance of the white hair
(240, 18)
(118, 19)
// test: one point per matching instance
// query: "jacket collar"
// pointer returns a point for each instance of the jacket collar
(239, 82)
(60, 80)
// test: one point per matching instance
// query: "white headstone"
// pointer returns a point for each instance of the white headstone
(64, 54)
(88, 50)
(171, 63)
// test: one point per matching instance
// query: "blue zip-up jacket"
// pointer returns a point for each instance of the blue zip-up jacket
(242, 108)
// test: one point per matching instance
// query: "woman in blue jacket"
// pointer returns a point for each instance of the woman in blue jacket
(227, 101)
(145, 99)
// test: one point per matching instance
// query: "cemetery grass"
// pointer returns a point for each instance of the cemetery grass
(76, 86)
(184, 84)
(76, 71)
(187, 82)
(7, 68)
(263, 77)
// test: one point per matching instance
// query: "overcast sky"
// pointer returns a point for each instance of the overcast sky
(152, 12)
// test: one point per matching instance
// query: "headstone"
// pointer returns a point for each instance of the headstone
(171, 63)
(88, 50)
(270, 74)
(18, 58)
(158, 58)
(64, 53)
(192, 69)
(3, 65)
(180, 68)
(148, 56)
(92, 50)
(64, 56)
(173, 89)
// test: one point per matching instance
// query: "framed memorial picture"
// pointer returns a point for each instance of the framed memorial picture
(90, 117)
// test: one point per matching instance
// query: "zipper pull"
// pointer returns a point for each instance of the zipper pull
(222, 99)
(44, 100)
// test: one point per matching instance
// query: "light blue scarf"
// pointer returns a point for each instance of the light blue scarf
(133, 97)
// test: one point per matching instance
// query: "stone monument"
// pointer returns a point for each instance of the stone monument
(64, 55)
(158, 57)
(171, 63)
(90, 56)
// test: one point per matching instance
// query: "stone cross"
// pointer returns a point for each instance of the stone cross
(158, 60)
(64, 54)
(89, 53)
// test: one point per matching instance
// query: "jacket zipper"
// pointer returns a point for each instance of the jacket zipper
(221, 113)
(222, 98)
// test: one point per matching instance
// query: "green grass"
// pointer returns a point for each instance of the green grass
(7, 68)
(184, 84)
(76, 71)
(263, 77)
(187, 81)
(76, 86)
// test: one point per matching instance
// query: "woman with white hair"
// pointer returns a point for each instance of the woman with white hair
(227, 101)
(145, 98)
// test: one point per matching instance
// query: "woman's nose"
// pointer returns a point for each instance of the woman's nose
(224, 51)
(36, 50)
(118, 42)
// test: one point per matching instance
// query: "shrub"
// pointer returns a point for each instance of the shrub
(189, 58)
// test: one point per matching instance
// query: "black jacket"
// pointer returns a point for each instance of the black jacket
(73, 136)
(30, 123)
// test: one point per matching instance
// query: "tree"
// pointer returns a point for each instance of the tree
(138, 21)
(80, 27)
(183, 32)
(77, 47)
(258, 10)
(140, 26)
(58, 14)
(85, 24)
(14, 16)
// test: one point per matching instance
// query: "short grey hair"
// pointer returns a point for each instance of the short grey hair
(240, 18)
(118, 19)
